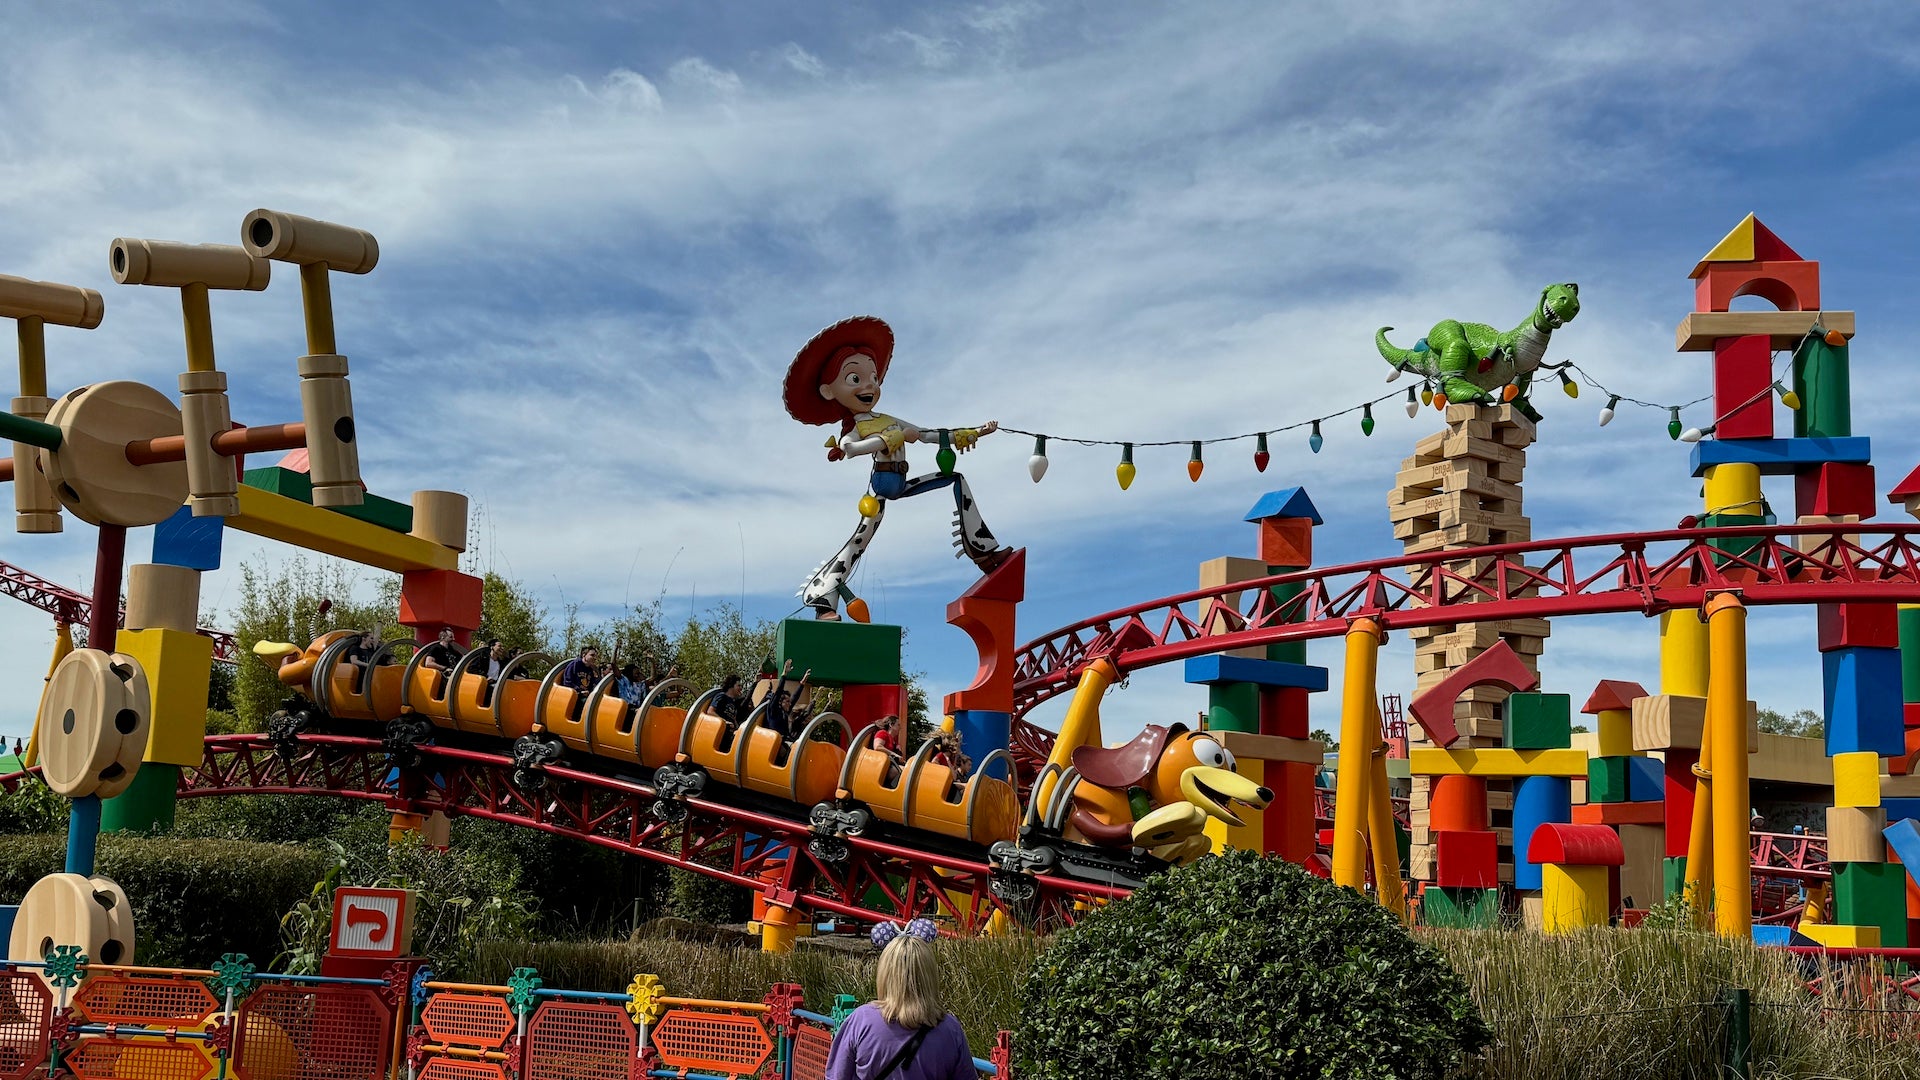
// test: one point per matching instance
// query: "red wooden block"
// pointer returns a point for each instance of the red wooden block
(1289, 817)
(1742, 372)
(986, 613)
(1286, 541)
(1620, 813)
(1283, 711)
(1904, 763)
(1466, 860)
(1846, 625)
(1498, 666)
(430, 599)
(1679, 801)
(1562, 844)
(1613, 694)
(862, 705)
(1834, 488)
(1790, 285)
(1911, 712)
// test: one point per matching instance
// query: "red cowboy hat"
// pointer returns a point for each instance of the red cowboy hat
(808, 370)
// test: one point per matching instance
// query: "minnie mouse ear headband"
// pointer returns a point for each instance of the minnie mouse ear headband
(862, 334)
(923, 929)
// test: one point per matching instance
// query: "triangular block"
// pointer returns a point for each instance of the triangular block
(1614, 694)
(1750, 241)
(1286, 503)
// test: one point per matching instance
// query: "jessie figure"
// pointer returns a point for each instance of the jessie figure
(836, 379)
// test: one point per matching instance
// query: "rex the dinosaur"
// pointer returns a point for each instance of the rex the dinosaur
(1474, 363)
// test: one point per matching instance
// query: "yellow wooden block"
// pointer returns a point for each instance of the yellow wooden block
(290, 521)
(1856, 779)
(178, 665)
(1572, 897)
(1666, 721)
(1616, 733)
(1733, 489)
(1855, 834)
(1495, 761)
(1683, 653)
(1246, 744)
(1837, 936)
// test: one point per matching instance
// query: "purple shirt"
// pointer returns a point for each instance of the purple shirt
(868, 1041)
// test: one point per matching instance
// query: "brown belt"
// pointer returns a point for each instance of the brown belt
(890, 466)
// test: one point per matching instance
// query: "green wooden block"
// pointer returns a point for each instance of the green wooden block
(1739, 546)
(1233, 706)
(1287, 652)
(842, 653)
(1872, 894)
(1910, 654)
(1673, 873)
(1462, 909)
(1821, 378)
(298, 485)
(1539, 721)
(294, 485)
(1607, 779)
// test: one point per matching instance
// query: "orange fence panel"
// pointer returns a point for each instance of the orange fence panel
(573, 1040)
(711, 1042)
(100, 1057)
(483, 1023)
(131, 999)
(313, 1033)
(811, 1045)
(455, 1069)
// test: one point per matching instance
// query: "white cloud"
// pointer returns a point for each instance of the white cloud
(630, 90)
(696, 73)
(801, 60)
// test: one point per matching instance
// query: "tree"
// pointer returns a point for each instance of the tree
(1804, 723)
(1321, 736)
(296, 601)
(1240, 966)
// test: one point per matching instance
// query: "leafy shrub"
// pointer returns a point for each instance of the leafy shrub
(1244, 966)
(32, 807)
(192, 899)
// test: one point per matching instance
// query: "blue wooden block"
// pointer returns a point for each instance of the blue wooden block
(185, 540)
(1862, 698)
(1646, 780)
(1245, 669)
(1775, 936)
(1286, 503)
(981, 733)
(1903, 837)
(1780, 457)
(1900, 807)
(1537, 800)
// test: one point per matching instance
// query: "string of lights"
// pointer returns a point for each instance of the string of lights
(1416, 397)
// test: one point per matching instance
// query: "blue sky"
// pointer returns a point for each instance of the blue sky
(605, 230)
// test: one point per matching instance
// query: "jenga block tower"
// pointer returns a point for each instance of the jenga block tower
(1461, 489)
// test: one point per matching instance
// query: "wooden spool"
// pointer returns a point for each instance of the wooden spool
(441, 517)
(333, 457)
(163, 597)
(213, 487)
(175, 265)
(93, 724)
(35, 510)
(272, 234)
(90, 473)
(72, 909)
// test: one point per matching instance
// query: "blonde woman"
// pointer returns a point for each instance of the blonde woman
(905, 1033)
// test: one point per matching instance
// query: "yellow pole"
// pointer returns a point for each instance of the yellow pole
(1358, 734)
(1732, 804)
(1380, 833)
(1081, 726)
(1683, 653)
(1699, 878)
(777, 929)
(198, 318)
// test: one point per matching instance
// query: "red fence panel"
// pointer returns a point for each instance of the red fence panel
(458, 1069)
(135, 999)
(26, 1012)
(811, 1045)
(483, 1023)
(574, 1040)
(711, 1042)
(100, 1057)
(313, 1033)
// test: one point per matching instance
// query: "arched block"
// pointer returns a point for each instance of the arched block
(986, 613)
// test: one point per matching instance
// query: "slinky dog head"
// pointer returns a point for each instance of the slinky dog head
(1174, 765)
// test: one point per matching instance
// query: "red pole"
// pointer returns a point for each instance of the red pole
(103, 622)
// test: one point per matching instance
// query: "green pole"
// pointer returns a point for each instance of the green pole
(1739, 1033)
(1820, 377)
(32, 432)
(148, 803)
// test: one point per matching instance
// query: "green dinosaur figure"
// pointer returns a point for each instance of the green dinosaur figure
(1474, 363)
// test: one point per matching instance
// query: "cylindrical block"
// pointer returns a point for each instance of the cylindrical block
(1821, 378)
(1727, 713)
(295, 239)
(163, 596)
(1855, 834)
(1457, 804)
(441, 517)
(161, 262)
(35, 510)
(333, 457)
(1733, 488)
(212, 488)
(61, 305)
(1359, 732)
(1683, 653)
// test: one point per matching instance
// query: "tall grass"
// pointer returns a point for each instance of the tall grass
(983, 976)
(1647, 1003)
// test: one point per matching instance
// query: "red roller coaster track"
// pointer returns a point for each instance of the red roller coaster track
(71, 608)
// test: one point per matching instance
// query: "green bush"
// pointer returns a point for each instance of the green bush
(32, 807)
(192, 899)
(1239, 967)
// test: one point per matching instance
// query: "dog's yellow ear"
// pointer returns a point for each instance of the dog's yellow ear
(272, 650)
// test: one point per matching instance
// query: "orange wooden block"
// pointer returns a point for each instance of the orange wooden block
(1620, 813)
(436, 598)
(1286, 541)
(1789, 286)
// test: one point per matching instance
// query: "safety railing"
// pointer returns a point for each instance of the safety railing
(96, 1021)
(525, 1030)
